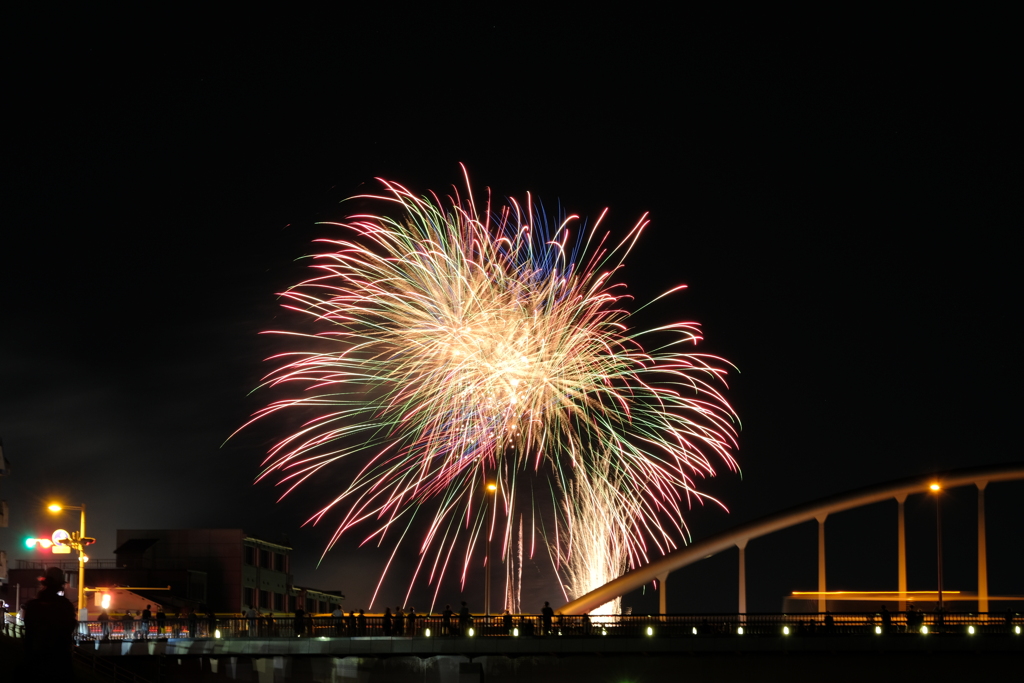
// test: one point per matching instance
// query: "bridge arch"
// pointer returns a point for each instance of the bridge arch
(819, 509)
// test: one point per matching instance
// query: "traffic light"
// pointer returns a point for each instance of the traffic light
(41, 543)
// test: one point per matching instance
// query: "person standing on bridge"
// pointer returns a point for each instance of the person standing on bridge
(128, 625)
(464, 619)
(339, 620)
(387, 622)
(446, 620)
(104, 620)
(546, 615)
(300, 620)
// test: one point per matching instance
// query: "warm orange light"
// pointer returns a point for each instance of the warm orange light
(935, 487)
(895, 593)
(492, 488)
(54, 507)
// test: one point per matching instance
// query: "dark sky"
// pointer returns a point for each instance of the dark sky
(841, 203)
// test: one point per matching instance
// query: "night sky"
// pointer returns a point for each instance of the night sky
(842, 205)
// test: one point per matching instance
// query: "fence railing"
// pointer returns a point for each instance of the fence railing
(527, 625)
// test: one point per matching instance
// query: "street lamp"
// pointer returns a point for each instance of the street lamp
(491, 488)
(78, 541)
(938, 539)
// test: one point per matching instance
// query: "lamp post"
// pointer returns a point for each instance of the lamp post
(938, 539)
(491, 488)
(78, 541)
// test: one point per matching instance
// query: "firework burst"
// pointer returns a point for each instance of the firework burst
(454, 346)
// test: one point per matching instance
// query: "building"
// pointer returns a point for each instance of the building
(223, 570)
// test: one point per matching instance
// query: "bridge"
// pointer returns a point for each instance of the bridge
(818, 510)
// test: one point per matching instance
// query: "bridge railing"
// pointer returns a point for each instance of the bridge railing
(529, 625)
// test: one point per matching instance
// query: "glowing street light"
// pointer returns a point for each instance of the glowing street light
(77, 541)
(491, 488)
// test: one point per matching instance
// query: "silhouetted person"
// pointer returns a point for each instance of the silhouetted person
(886, 619)
(300, 620)
(146, 616)
(361, 620)
(352, 624)
(193, 623)
(128, 625)
(49, 631)
(104, 620)
(830, 623)
(161, 620)
(339, 620)
(446, 620)
(399, 622)
(387, 621)
(464, 619)
(506, 621)
(546, 615)
(410, 622)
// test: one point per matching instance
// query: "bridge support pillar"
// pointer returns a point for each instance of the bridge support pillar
(982, 551)
(662, 593)
(901, 550)
(742, 545)
(821, 563)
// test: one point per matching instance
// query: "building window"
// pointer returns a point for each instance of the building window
(265, 559)
(247, 597)
(310, 605)
(279, 562)
(264, 599)
(250, 555)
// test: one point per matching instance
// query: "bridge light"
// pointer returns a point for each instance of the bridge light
(426, 632)
(878, 630)
(650, 630)
(970, 630)
(785, 630)
(472, 632)
(604, 631)
(739, 630)
(694, 630)
(105, 601)
(216, 633)
(515, 631)
(935, 487)
(1016, 630)
(924, 630)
